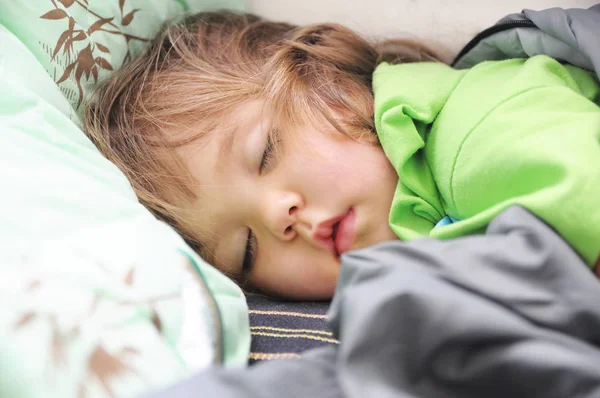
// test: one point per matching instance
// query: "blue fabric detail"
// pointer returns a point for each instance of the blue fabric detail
(445, 221)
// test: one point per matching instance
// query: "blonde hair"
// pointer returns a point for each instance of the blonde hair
(203, 67)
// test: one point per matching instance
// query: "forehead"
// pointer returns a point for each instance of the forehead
(207, 157)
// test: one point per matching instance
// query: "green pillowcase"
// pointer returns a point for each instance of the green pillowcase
(97, 297)
(81, 41)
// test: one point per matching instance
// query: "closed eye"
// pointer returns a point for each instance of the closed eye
(249, 253)
(267, 155)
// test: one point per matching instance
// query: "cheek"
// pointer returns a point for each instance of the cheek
(297, 276)
(360, 166)
(326, 162)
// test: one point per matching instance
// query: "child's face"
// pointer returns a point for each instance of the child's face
(322, 183)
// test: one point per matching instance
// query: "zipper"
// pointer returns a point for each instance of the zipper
(491, 31)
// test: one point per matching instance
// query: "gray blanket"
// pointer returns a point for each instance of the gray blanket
(512, 313)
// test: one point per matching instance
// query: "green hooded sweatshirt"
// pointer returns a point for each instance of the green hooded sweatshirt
(470, 143)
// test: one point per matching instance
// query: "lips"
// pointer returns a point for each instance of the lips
(343, 232)
(337, 233)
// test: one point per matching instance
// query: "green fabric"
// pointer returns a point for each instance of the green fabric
(81, 41)
(470, 143)
(94, 291)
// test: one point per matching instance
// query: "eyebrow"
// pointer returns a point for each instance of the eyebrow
(226, 148)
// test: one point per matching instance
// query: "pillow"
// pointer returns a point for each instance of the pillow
(79, 42)
(97, 297)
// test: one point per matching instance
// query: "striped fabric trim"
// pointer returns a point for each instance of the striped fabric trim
(266, 356)
(285, 313)
(296, 336)
(274, 329)
(280, 328)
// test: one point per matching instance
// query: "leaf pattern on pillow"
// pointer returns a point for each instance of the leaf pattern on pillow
(85, 63)
(94, 345)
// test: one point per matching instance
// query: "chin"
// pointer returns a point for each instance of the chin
(321, 289)
(302, 294)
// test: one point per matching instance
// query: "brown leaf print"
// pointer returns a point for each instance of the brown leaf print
(61, 40)
(129, 17)
(98, 24)
(69, 44)
(25, 319)
(80, 36)
(66, 73)
(106, 366)
(129, 277)
(85, 58)
(156, 321)
(59, 355)
(78, 74)
(85, 64)
(67, 3)
(128, 351)
(55, 14)
(60, 340)
(33, 285)
(104, 64)
(102, 48)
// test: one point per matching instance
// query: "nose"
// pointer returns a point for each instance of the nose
(281, 211)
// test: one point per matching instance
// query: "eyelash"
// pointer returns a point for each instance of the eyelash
(249, 253)
(267, 156)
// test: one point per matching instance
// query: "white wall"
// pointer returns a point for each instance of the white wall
(449, 23)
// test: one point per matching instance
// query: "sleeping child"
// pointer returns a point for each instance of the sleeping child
(274, 149)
